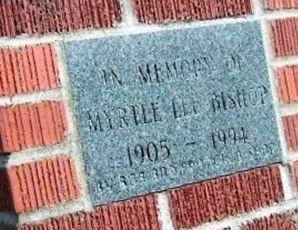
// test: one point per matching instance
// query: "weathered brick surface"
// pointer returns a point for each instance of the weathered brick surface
(225, 196)
(283, 221)
(285, 36)
(28, 69)
(38, 184)
(291, 131)
(151, 11)
(45, 16)
(31, 125)
(135, 214)
(288, 83)
(294, 170)
(280, 4)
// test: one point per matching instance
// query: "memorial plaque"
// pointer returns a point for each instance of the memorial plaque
(159, 110)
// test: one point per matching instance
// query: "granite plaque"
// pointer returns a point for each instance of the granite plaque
(159, 110)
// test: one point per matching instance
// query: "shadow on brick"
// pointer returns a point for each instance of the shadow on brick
(7, 213)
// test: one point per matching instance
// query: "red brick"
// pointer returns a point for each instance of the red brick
(38, 184)
(291, 131)
(283, 221)
(31, 125)
(288, 83)
(46, 16)
(135, 214)
(294, 169)
(221, 197)
(152, 11)
(280, 4)
(28, 69)
(285, 36)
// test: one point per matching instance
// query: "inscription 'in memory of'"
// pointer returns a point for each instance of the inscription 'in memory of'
(171, 108)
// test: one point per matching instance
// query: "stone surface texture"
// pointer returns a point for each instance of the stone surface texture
(165, 141)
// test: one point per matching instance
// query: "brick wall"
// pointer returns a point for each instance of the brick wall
(42, 181)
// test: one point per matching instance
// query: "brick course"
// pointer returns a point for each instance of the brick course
(135, 214)
(288, 83)
(29, 186)
(50, 16)
(294, 170)
(291, 131)
(31, 125)
(285, 36)
(28, 69)
(230, 195)
(156, 11)
(280, 4)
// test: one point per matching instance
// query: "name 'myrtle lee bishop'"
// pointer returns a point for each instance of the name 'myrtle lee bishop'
(138, 114)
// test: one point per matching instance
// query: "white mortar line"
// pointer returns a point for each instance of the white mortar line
(34, 154)
(286, 182)
(292, 157)
(289, 109)
(35, 97)
(73, 135)
(163, 211)
(26, 40)
(279, 14)
(257, 8)
(128, 15)
(57, 210)
(285, 61)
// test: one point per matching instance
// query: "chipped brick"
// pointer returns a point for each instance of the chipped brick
(221, 197)
(152, 11)
(48, 16)
(38, 184)
(31, 125)
(28, 69)
(285, 36)
(288, 83)
(135, 214)
(291, 131)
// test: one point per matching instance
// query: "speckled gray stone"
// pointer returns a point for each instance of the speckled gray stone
(156, 111)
